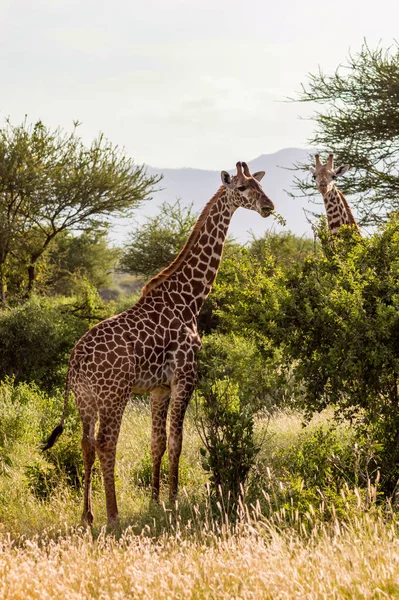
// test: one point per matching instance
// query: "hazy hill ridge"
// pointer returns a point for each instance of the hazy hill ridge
(199, 185)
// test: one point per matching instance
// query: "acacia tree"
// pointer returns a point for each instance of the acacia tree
(51, 182)
(154, 244)
(360, 124)
(71, 257)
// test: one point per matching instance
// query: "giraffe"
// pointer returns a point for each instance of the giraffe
(337, 207)
(151, 347)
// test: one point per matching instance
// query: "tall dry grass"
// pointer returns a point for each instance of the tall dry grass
(274, 549)
(252, 560)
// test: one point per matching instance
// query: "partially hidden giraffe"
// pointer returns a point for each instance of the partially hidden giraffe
(151, 347)
(337, 207)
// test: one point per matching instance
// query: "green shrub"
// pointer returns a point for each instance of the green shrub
(226, 426)
(238, 359)
(42, 479)
(326, 467)
(327, 456)
(35, 341)
(338, 325)
(26, 416)
(20, 406)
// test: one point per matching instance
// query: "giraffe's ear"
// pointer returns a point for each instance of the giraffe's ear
(226, 178)
(341, 170)
(259, 175)
(312, 170)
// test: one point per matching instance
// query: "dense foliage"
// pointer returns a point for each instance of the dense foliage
(360, 123)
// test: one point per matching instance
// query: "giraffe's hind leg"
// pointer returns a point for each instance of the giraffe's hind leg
(106, 441)
(89, 455)
(159, 410)
(88, 414)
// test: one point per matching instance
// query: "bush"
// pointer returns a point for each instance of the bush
(324, 466)
(226, 426)
(36, 338)
(238, 359)
(338, 326)
(20, 407)
(42, 479)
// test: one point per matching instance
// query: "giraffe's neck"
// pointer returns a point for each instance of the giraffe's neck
(186, 283)
(338, 210)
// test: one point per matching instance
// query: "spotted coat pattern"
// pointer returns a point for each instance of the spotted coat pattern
(337, 208)
(151, 346)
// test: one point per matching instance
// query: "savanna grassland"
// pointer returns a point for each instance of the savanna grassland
(271, 547)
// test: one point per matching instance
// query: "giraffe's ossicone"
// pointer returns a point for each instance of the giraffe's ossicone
(151, 347)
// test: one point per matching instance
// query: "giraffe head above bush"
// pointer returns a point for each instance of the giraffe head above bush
(337, 207)
(325, 175)
(249, 192)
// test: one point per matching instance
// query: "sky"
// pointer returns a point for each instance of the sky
(179, 83)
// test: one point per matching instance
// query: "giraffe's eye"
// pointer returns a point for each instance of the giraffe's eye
(242, 188)
(314, 177)
(334, 176)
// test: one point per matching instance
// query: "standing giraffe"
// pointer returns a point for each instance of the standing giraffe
(151, 347)
(337, 207)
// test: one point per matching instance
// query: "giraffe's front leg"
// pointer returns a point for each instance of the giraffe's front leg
(159, 411)
(182, 390)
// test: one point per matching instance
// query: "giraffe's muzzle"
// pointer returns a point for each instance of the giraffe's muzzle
(266, 207)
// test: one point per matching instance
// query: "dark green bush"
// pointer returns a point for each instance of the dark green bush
(35, 341)
(226, 426)
(42, 479)
(20, 409)
(26, 416)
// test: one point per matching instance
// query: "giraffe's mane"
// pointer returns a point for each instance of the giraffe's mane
(180, 258)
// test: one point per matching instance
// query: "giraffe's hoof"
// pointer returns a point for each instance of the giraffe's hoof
(87, 518)
(153, 502)
(155, 496)
(113, 523)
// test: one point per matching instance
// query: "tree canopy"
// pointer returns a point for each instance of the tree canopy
(360, 124)
(51, 182)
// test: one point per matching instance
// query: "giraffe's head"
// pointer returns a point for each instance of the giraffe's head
(325, 175)
(248, 191)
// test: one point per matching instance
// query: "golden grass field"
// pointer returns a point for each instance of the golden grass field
(183, 551)
(360, 560)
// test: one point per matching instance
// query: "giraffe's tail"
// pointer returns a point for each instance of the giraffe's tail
(55, 434)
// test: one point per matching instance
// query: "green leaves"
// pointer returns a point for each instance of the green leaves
(226, 426)
(360, 123)
(338, 326)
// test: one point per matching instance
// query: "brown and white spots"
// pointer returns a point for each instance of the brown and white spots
(337, 208)
(151, 346)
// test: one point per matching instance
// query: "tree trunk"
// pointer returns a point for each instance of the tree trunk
(31, 279)
(2, 294)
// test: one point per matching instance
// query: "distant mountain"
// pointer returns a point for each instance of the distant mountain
(198, 186)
